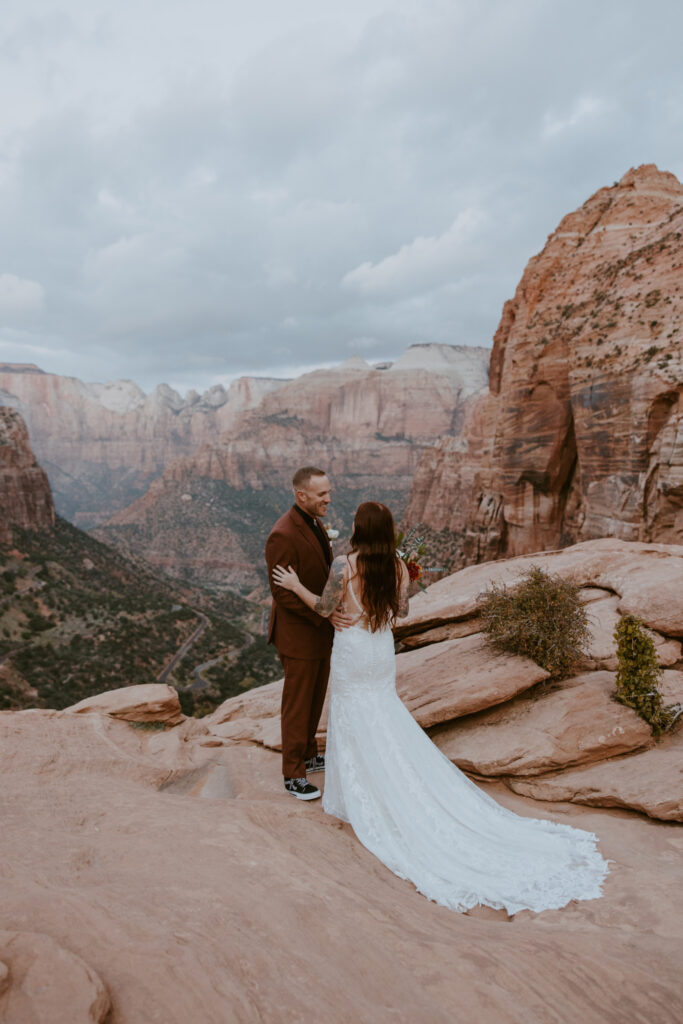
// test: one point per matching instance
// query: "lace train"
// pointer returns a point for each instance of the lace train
(421, 816)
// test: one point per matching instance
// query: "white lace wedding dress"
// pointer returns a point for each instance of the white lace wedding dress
(411, 807)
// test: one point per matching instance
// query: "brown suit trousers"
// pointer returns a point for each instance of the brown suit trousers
(302, 638)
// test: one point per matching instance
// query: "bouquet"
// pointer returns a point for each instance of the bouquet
(411, 548)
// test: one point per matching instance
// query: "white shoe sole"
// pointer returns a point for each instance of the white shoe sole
(305, 796)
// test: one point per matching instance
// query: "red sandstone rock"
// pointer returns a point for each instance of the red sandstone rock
(367, 427)
(647, 577)
(105, 443)
(651, 782)
(146, 702)
(44, 982)
(25, 497)
(603, 617)
(458, 677)
(578, 723)
(582, 433)
(185, 901)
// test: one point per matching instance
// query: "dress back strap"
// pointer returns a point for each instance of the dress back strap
(355, 599)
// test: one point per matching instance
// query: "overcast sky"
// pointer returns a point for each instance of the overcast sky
(193, 190)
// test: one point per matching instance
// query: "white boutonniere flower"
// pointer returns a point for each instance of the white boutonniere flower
(332, 534)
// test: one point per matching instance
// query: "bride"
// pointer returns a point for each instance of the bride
(407, 803)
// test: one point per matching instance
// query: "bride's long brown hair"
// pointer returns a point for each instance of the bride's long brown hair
(377, 565)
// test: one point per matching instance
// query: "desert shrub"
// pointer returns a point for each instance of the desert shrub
(541, 617)
(638, 674)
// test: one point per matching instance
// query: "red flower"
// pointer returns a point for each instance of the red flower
(414, 570)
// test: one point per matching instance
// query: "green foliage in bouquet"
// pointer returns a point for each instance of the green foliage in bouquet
(541, 617)
(411, 548)
(638, 674)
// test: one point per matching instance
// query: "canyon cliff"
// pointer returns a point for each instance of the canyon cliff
(25, 497)
(581, 433)
(103, 444)
(207, 516)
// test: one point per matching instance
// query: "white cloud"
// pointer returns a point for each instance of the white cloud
(191, 195)
(19, 295)
(362, 344)
(16, 350)
(584, 108)
(424, 263)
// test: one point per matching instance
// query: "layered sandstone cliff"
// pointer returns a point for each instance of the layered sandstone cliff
(581, 435)
(207, 515)
(25, 497)
(103, 444)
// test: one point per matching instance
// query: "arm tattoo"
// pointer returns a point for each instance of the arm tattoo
(403, 603)
(334, 589)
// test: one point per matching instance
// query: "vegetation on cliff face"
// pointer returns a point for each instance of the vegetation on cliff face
(77, 618)
(541, 617)
(638, 674)
(208, 534)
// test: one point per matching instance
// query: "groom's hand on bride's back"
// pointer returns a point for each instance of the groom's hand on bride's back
(341, 620)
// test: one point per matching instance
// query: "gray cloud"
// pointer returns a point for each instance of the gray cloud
(188, 192)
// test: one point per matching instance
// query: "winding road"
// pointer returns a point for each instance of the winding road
(184, 648)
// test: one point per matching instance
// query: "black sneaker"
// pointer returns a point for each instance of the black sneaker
(302, 789)
(316, 764)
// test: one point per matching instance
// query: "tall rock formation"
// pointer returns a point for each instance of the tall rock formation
(103, 444)
(25, 497)
(581, 434)
(208, 515)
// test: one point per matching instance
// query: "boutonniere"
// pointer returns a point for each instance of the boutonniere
(331, 534)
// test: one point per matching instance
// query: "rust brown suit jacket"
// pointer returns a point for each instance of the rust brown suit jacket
(295, 630)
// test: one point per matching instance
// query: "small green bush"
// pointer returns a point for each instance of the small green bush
(638, 674)
(541, 617)
(148, 726)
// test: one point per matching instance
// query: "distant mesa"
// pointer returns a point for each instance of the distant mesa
(20, 368)
(104, 444)
(368, 428)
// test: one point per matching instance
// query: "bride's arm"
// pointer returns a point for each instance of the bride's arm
(324, 604)
(403, 602)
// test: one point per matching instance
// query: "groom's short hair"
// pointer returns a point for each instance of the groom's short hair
(302, 476)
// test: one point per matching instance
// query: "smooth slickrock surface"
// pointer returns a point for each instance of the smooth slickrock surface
(582, 433)
(220, 898)
(651, 782)
(457, 677)
(451, 631)
(574, 724)
(671, 686)
(147, 702)
(25, 496)
(603, 617)
(47, 984)
(436, 683)
(647, 577)
(449, 684)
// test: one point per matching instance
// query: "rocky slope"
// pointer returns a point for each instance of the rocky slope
(102, 444)
(582, 433)
(76, 617)
(207, 517)
(25, 496)
(120, 818)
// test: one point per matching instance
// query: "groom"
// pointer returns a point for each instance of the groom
(302, 638)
